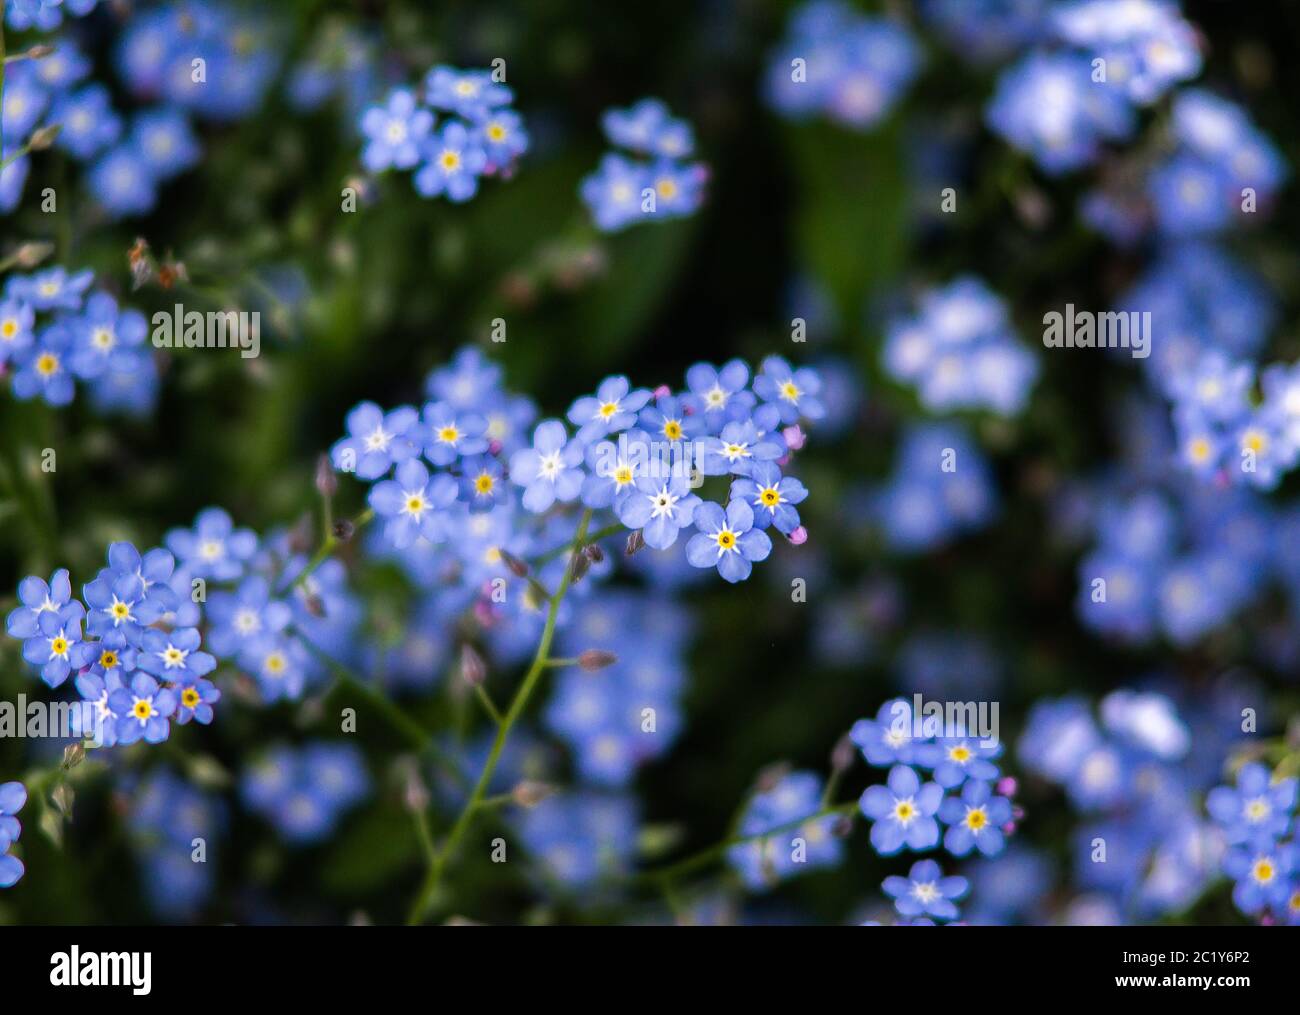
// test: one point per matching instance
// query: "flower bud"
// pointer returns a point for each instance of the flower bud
(472, 667)
(798, 537)
(593, 553)
(634, 542)
(327, 480)
(44, 138)
(415, 795)
(579, 566)
(794, 437)
(530, 793)
(29, 255)
(344, 530)
(596, 659)
(39, 52)
(74, 755)
(517, 567)
(842, 754)
(1006, 786)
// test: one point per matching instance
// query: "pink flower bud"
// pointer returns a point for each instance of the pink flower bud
(799, 536)
(794, 437)
(663, 391)
(1006, 786)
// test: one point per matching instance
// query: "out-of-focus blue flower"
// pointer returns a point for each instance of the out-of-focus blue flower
(123, 181)
(1261, 874)
(107, 337)
(165, 139)
(395, 133)
(578, 838)
(304, 792)
(1048, 106)
(454, 160)
(214, 548)
(12, 797)
(846, 67)
(648, 128)
(87, 120)
(450, 434)
(888, 739)
(791, 848)
(465, 93)
(986, 31)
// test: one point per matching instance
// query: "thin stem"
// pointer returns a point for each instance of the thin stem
(516, 709)
(327, 546)
(486, 699)
(596, 537)
(556, 664)
(666, 875)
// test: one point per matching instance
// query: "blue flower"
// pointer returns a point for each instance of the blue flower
(107, 338)
(730, 542)
(395, 132)
(52, 289)
(239, 618)
(25, 100)
(739, 448)
(195, 701)
(678, 189)
(956, 759)
(714, 392)
(97, 686)
(482, 483)
(44, 369)
(648, 129)
(926, 892)
(903, 812)
(143, 710)
(550, 469)
(661, 506)
(454, 160)
(794, 392)
(794, 850)
(413, 504)
(124, 182)
(613, 408)
(12, 797)
(466, 93)
(668, 420)
(450, 434)
(613, 192)
(772, 496)
(614, 468)
(975, 820)
(465, 383)
(502, 136)
(165, 139)
(57, 647)
(377, 441)
(214, 548)
(1260, 873)
(174, 656)
(1257, 810)
(887, 740)
(37, 598)
(16, 322)
(88, 121)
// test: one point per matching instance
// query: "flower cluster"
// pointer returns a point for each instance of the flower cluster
(791, 848)
(1257, 818)
(1139, 777)
(657, 182)
(136, 659)
(942, 486)
(960, 352)
(986, 31)
(44, 15)
(836, 63)
(579, 838)
(267, 613)
(304, 792)
(617, 717)
(630, 457)
(12, 797)
(479, 136)
(173, 828)
(207, 59)
(906, 812)
(944, 784)
(55, 330)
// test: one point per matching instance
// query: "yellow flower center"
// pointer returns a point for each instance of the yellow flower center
(449, 435)
(667, 188)
(496, 132)
(976, 818)
(726, 540)
(8, 329)
(623, 475)
(1263, 871)
(1199, 449)
(790, 391)
(108, 659)
(274, 664)
(484, 483)
(960, 754)
(142, 709)
(904, 811)
(47, 364)
(673, 430)
(608, 409)
(59, 646)
(121, 611)
(189, 697)
(770, 497)
(450, 160)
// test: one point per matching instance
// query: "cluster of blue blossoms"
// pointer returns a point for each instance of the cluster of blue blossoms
(205, 59)
(55, 330)
(44, 15)
(944, 785)
(137, 658)
(304, 792)
(173, 830)
(657, 183)
(941, 488)
(795, 849)
(960, 352)
(480, 135)
(12, 797)
(1140, 778)
(1259, 825)
(836, 63)
(633, 454)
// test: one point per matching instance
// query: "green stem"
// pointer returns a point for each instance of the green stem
(327, 546)
(596, 537)
(666, 875)
(488, 704)
(516, 709)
